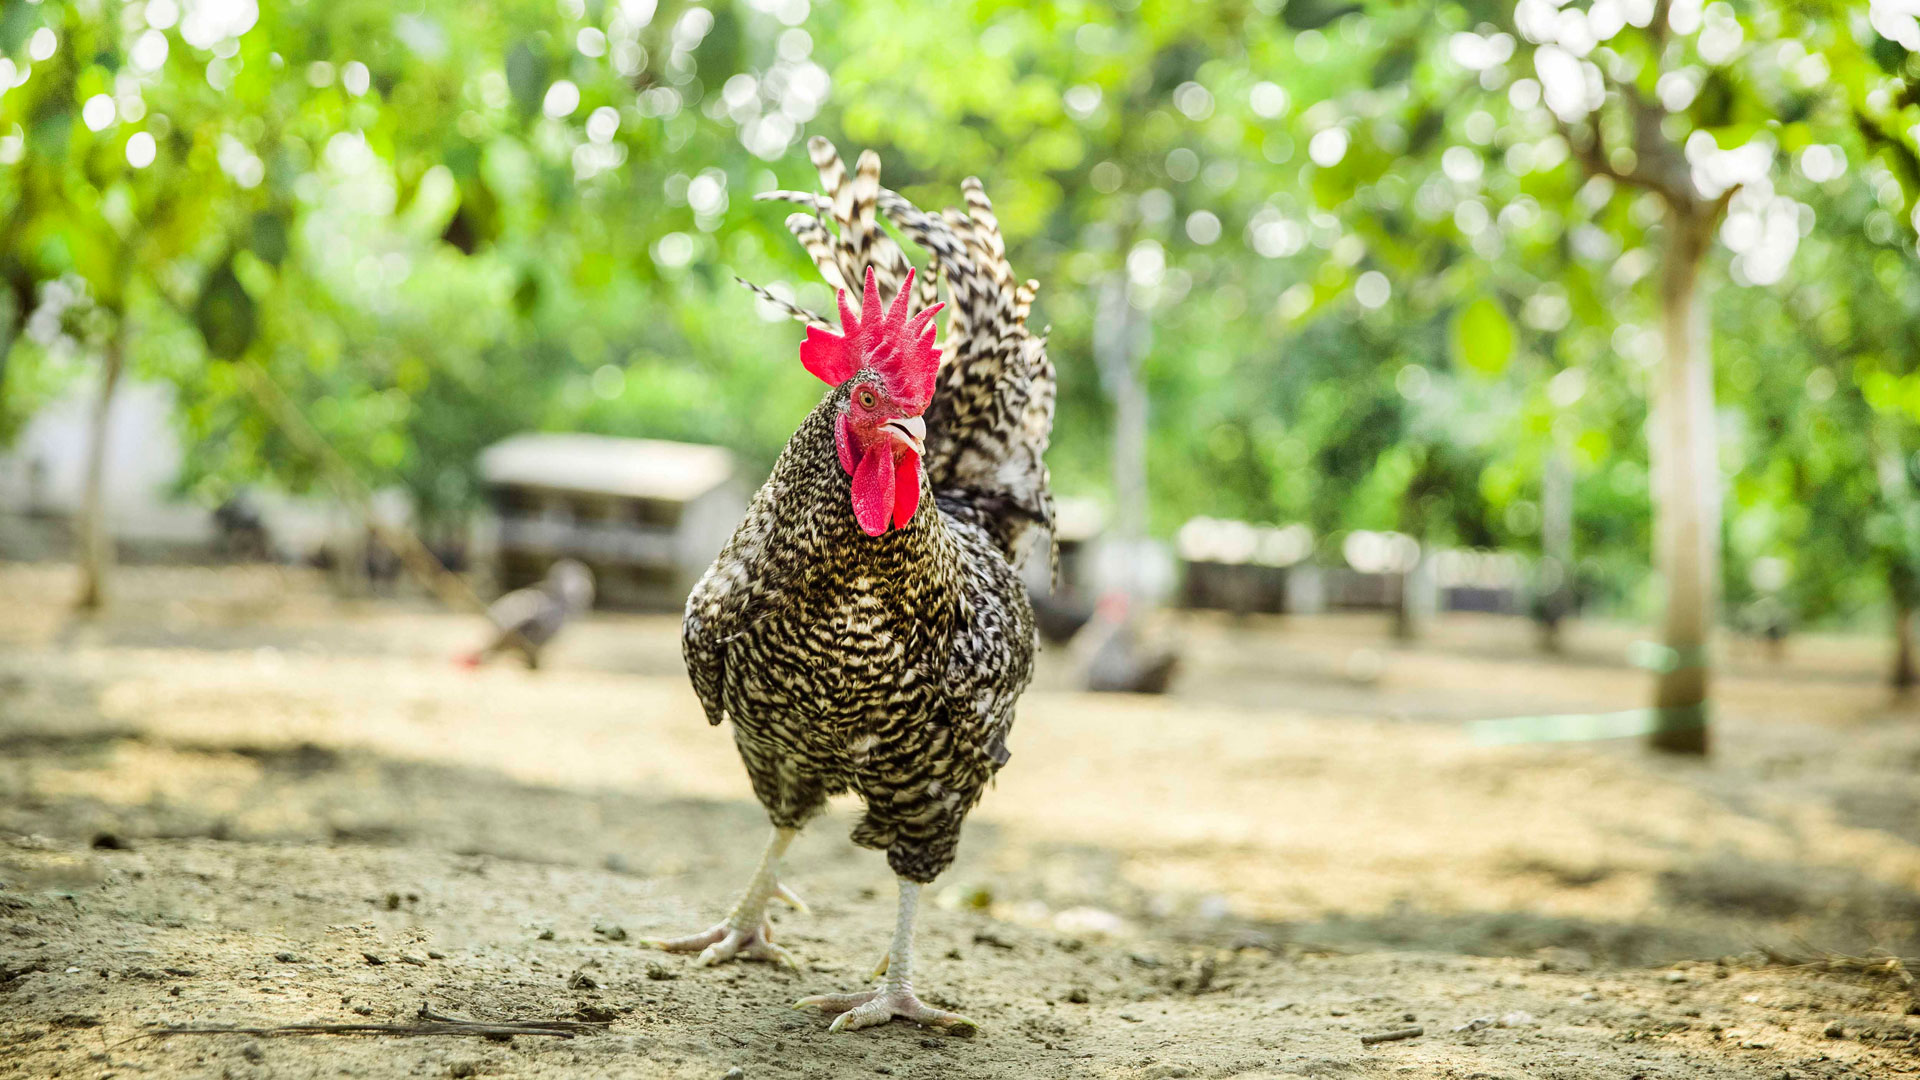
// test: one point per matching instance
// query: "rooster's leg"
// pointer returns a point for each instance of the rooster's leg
(746, 933)
(894, 996)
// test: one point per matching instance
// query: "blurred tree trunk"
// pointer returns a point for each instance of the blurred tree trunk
(1905, 674)
(11, 319)
(1418, 600)
(1903, 581)
(1681, 426)
(1555, 601)
(1686, 483)
(1120, 343)
(96, 540)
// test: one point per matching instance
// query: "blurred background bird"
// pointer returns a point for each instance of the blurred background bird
(527, 620)
(865, 629)
(1115, 654)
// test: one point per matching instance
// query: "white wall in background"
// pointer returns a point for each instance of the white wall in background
(44, 471)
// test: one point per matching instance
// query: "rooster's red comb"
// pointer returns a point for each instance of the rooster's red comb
(898, 349)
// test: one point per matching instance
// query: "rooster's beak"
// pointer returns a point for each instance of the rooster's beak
(911, 431)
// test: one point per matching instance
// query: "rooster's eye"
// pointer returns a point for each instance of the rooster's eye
(866, 399)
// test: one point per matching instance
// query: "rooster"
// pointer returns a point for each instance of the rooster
(865, 629)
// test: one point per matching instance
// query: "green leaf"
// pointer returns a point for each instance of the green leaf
(1429, 126)
(1395, 64)
(1713, 105)
(526, 294)
(269, 237)
(1314, 14)
(1483, 337)
(1890, 55)
(476, 222)
(720, 52)
(526, 77)
(225, 314)
(17, 22)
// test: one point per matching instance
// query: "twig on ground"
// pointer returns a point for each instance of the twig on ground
(1392, 1036)
(1890, 968)
(430, 1023)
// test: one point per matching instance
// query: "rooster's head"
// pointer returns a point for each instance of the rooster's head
(886, 362)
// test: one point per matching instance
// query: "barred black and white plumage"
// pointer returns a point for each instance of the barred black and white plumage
(885, 665)
(889, 665)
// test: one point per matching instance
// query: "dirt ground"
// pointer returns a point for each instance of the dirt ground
(237, 800)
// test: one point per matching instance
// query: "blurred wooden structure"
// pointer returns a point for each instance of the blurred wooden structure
(1246, 569)
(1478, 580)
(646, 516)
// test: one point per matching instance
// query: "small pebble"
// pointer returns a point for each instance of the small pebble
(736, 1073)
(1835, 1030)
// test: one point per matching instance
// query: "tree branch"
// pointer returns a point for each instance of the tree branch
(1593, 157)
(1659, 166)
(1657, 27)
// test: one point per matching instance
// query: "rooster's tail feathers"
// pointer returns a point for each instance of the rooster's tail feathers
(992, 416)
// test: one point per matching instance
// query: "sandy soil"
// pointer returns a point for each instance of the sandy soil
(239, 801)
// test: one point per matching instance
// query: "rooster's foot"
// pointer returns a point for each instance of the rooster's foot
(728, 942)
(871, 1007)
(746, 934)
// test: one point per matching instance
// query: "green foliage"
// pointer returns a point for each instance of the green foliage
(1383, 288)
